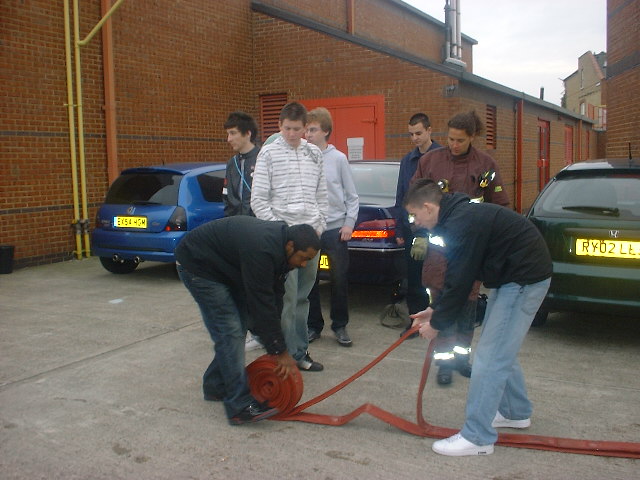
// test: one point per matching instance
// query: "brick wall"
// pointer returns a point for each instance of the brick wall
(623, 78)
(180, 68)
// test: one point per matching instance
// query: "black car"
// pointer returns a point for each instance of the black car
(374, 256)
(589, 215)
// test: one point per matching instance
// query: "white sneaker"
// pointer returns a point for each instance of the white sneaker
(458, 446)
(501, 422)
(252, 343)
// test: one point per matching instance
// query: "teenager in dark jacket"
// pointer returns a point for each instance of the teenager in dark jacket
(420, 134)
(241, 135)
(235, 269)
(504, 250)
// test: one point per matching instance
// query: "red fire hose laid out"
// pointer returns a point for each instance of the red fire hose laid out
(285, 394)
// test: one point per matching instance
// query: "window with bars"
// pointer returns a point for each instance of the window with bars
(491, 126)
(270, 107)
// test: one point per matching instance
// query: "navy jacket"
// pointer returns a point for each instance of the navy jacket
(485, 242)
(408, 166)
(249, 256)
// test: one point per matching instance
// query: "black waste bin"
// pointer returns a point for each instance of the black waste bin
(6, 258)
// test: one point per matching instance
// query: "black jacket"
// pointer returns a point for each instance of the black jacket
(248, 255)
(233, 205)
(485, 242)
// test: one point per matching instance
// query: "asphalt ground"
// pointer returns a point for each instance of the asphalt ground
(100, 379)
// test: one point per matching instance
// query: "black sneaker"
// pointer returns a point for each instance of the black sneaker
(254, 412)
(308, 365)
(343, 337)
(463, 366)
(313, 335)
(445, 375)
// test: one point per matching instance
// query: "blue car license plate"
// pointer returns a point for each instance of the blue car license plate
(130, 222)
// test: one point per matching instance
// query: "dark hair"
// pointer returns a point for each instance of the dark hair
(469, 122)
(294, 111)
(303, 237)
(420, 118)
(243, 122)
(423, 190)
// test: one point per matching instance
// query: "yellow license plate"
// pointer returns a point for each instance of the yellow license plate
(130, 222)
(324, 262)
(608, 248)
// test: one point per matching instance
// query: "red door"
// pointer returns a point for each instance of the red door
(358, 125)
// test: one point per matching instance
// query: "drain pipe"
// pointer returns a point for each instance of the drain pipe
(519, 154)
(72, 133)
(109, 97)
(83, 178)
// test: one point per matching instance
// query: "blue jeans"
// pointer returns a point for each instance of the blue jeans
(225, 317)
(497, 382)
(295, 308)
(338, 254)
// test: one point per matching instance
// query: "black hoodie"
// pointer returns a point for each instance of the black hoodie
(248, 255)
(485, 242)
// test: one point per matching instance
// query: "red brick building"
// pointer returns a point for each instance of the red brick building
(623, 78)
(160, 77)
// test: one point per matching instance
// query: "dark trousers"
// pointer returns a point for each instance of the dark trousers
(417, 298)
(338, 254)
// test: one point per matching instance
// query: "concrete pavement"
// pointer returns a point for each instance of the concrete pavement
(100, 379)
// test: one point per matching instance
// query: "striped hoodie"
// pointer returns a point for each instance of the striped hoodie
(289, 185)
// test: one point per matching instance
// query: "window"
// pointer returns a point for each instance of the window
(270, 107)
(491, 126)
(211, 184)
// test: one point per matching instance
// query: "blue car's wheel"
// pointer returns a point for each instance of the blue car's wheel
(119, 266)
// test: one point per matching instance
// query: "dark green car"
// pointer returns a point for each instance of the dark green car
(589, 215)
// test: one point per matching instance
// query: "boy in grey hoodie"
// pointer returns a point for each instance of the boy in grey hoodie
(343, 212)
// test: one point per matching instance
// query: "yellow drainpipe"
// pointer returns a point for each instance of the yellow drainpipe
(77, 44)
(72, 132)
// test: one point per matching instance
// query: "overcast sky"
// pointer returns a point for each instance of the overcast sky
(528, 44)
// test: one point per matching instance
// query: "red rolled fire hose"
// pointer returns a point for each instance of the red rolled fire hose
(285, 394)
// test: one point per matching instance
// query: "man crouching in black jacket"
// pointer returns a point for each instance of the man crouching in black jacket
(235, 269)
(504, 250)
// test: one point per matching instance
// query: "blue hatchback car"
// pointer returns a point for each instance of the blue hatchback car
(147, 210)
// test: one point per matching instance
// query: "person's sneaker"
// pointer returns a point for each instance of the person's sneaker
(463, 366)
(500, 422)
(308, 365)
(313, 335)
(254, 412)
(252, 343)
(343, 337)
(445, 375)
(458, 446)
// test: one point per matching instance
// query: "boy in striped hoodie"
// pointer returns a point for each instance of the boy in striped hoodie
(289, 185)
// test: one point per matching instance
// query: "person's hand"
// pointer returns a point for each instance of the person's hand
(400, 241)
(423, 319)
(286, 365)
(345, 233)
(419, 248)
